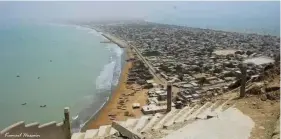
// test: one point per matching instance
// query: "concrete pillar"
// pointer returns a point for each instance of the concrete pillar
(243, 69)
(66, 123)
(169, 97)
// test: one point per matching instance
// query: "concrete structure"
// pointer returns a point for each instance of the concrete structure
(141, 123)
(225, 126)
(159, 101)
(156, 126)
(66, 123)
(169, 97)
(243, 69)
(126, 132)
(50, 130)
(151, 109)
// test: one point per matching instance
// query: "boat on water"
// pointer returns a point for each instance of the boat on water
(43, 106)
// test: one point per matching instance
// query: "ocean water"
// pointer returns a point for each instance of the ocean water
(75, 71)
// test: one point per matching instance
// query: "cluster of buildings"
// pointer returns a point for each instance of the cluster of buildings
(200, 62)
(139, 73)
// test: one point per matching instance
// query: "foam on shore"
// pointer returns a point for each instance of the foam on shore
(105, 84)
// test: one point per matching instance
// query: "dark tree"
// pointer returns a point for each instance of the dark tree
(181, 77)
(202, 81)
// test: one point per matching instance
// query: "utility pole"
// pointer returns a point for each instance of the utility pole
(243, 69)
(66, 123)
(169, 97)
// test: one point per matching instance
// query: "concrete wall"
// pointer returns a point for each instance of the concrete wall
(50, 130)
(21, 130)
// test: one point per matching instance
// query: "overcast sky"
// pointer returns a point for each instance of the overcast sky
(96, 10)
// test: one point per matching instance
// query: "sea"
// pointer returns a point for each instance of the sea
(61, 65)
(56, 65)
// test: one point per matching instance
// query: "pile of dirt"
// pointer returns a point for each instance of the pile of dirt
(275, 95)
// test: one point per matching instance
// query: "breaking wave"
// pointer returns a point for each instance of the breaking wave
(109, 76)
(105, 83)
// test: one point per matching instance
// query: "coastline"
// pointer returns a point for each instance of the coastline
(102, 117)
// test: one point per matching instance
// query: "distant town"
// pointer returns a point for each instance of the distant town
(199, 63)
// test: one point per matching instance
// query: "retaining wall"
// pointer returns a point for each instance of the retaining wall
(51, 130)
(21, 130)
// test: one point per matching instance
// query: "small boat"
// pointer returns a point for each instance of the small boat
(23, 104)
(42, 106)
(18, 76)
(51, 61)
(38, 78)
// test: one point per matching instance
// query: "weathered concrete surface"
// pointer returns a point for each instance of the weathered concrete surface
(19, 130)
(103, 130)
(126, 132)
(78, 136)
(198, 111)
(231, 124)
(204, 114)
(141, 123)
(171, 120)
(51, 130)
(131, 122)
(90, 134)
(182, 117)
(152, 121)
(164, 119)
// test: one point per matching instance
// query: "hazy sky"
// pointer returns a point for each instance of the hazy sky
(146, 10)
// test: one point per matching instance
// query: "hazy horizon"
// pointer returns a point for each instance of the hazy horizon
(146, 10)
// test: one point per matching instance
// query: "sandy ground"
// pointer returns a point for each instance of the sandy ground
(263, 113)
(122, 91)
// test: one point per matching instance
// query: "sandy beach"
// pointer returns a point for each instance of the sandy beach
(129, 94)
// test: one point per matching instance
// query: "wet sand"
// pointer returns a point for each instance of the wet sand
(111, 111)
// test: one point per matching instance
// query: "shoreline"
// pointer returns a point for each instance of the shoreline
(96, 116)
(103, 116)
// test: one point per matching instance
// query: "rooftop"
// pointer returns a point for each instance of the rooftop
(259, 60)
(225, 52)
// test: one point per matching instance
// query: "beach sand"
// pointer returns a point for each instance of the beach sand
(121, 91)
